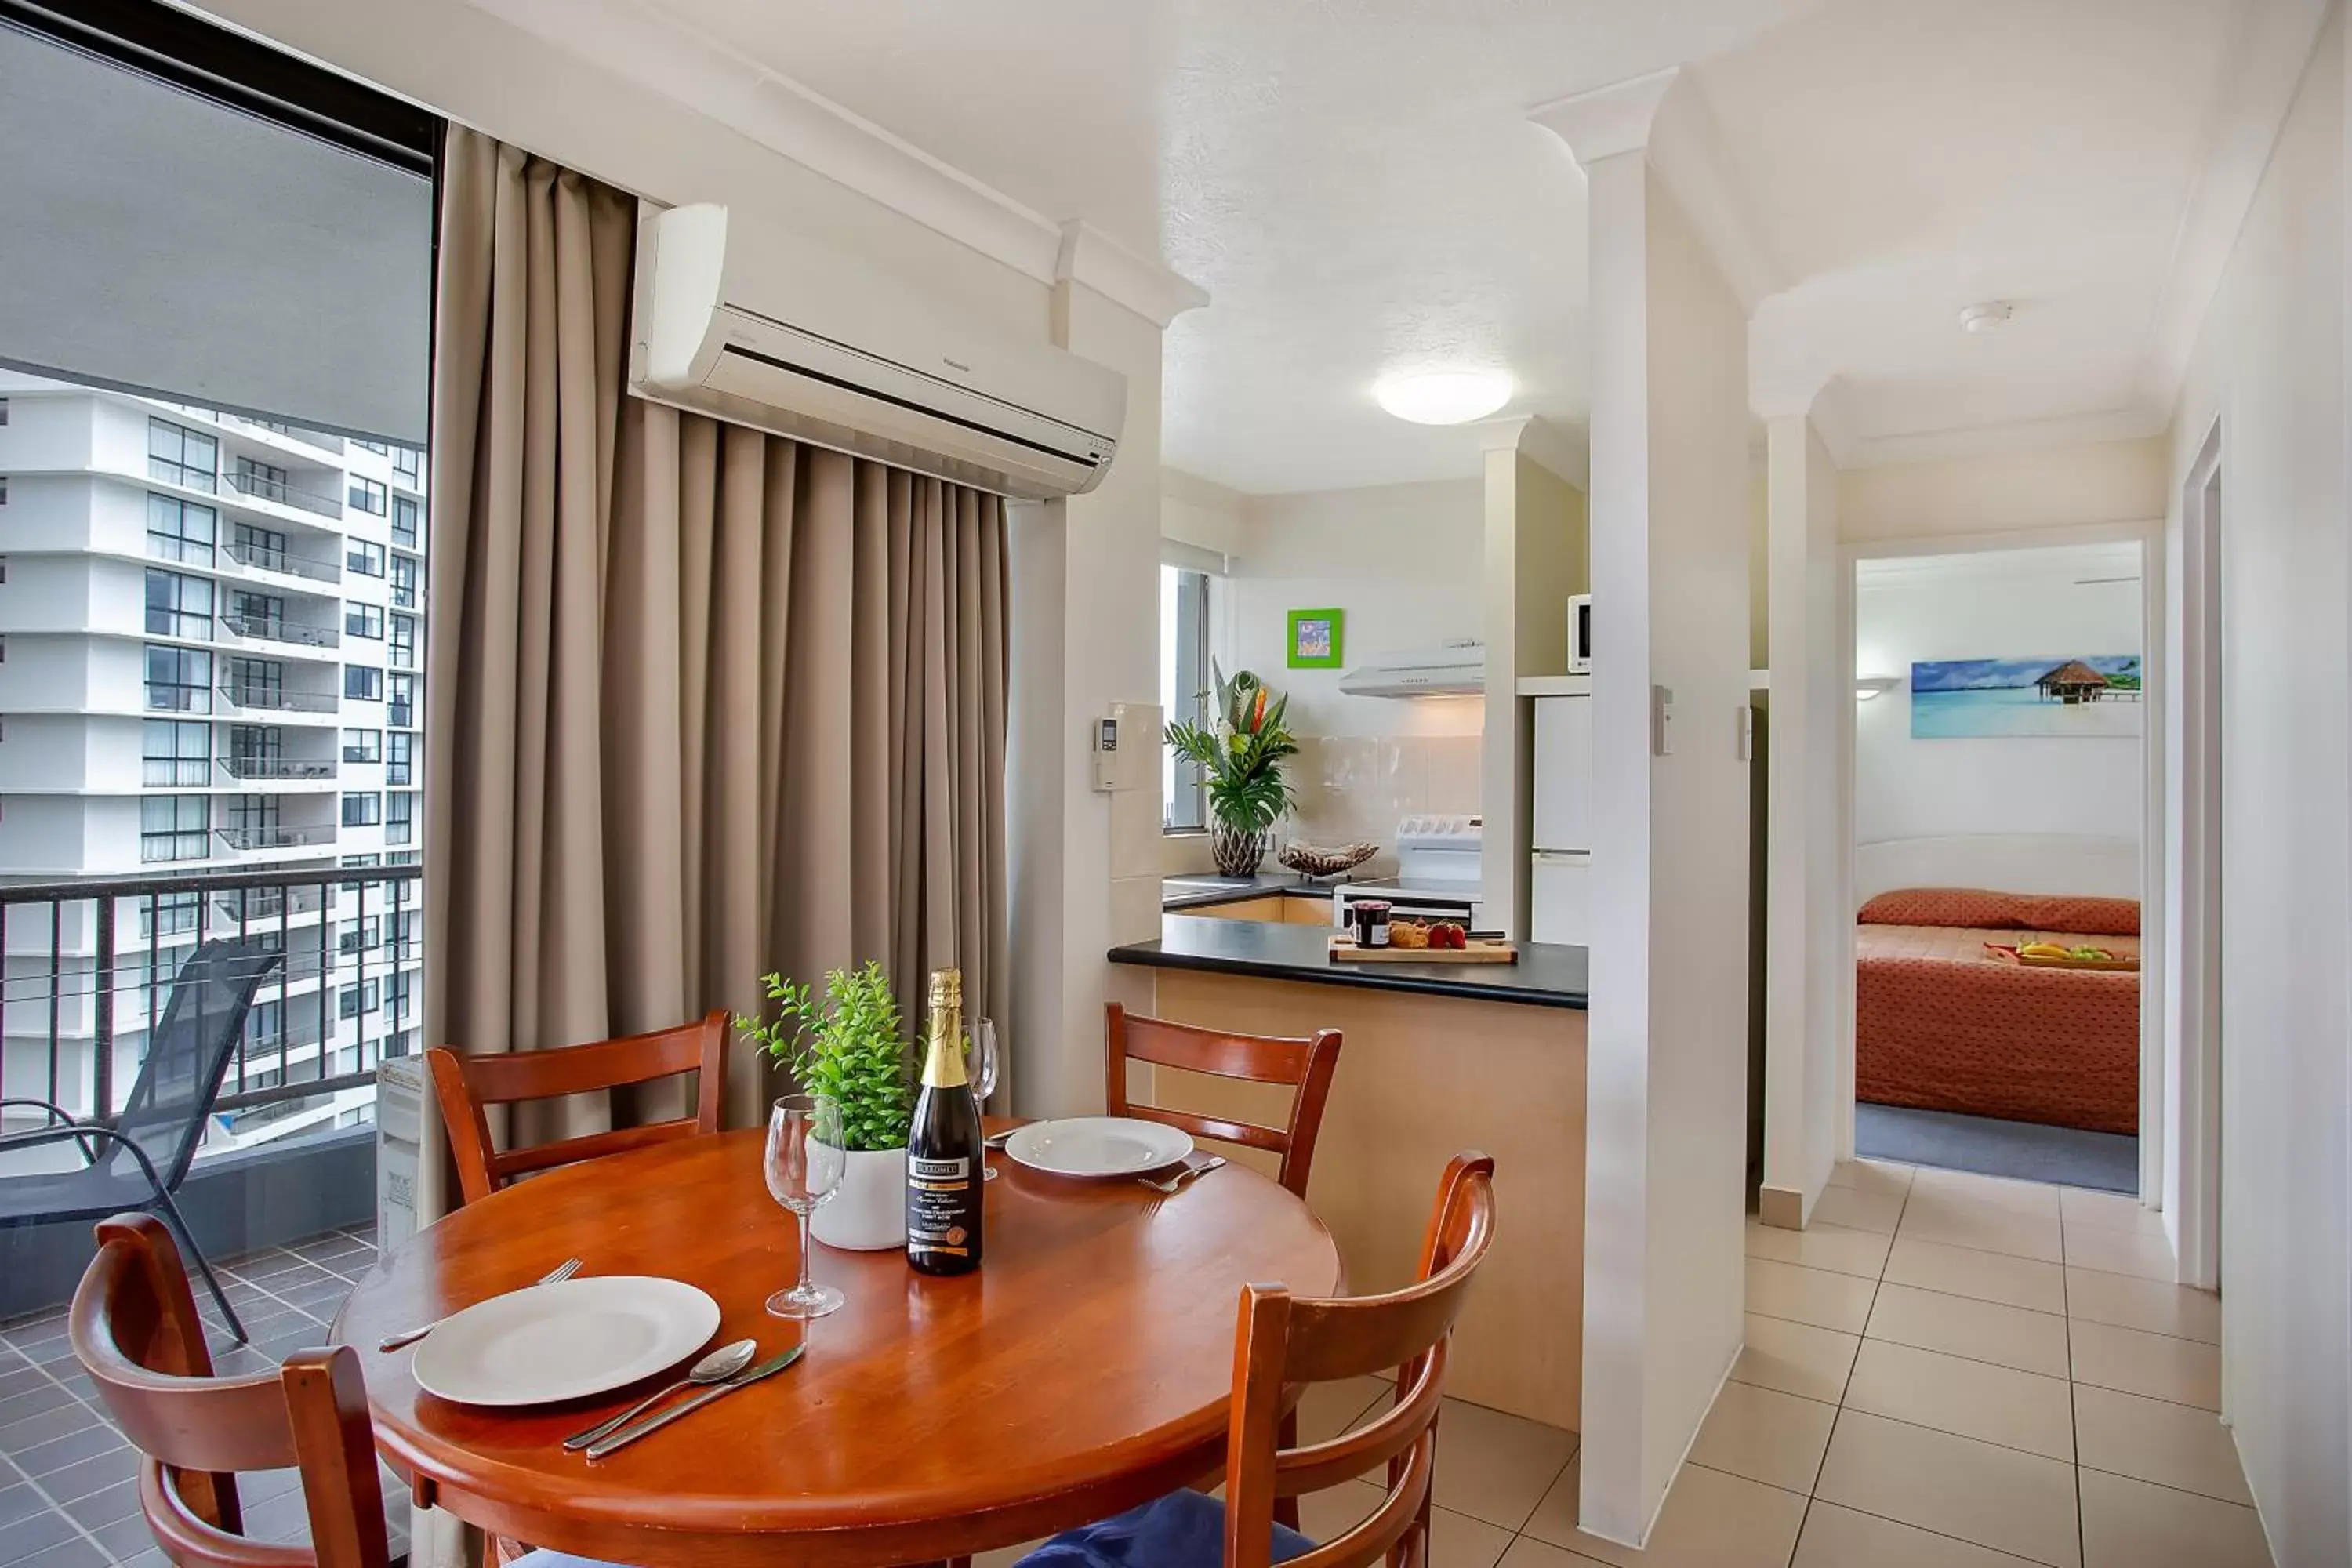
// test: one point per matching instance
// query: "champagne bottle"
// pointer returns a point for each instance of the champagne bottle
(943, 1146)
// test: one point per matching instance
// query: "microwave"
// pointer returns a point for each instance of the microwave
(1579, 634)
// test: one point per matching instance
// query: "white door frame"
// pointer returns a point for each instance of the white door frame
(2194, 967)
(2149, 535)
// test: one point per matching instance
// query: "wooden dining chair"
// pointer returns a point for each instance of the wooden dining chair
(466, 1086)
(1283, 1341)
(1305, 1065)
(135, 1331)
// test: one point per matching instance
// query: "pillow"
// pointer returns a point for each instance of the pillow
(1978, 907)
(2086, 916)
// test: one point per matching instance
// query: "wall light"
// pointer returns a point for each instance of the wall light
(1443, 396)
(1866, 687)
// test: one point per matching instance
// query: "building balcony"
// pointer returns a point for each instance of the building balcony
(278, 769)
(247, 906)
(283, 563)
(281, 492)
(275, 700)
(234, 628)
(280, 837)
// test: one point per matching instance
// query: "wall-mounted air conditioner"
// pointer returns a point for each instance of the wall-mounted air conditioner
(764, 327)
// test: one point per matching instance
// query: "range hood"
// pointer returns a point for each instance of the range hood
(1451, 670)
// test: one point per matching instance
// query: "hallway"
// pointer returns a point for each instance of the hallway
(1952, 1371)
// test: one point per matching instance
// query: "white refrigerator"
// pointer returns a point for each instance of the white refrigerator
(1560, 886)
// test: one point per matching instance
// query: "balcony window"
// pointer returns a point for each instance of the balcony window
(364, 998)
(368, 496)
(176, 754)
(174, 827)
(403, 582)
(179, 681)
(181, 530)
(181, 457)
(255, 751)
(179, 605)
(400, 818)
(363, 620)
(255, 816)
(363, 558)
(362, 683)
(364, 809)
(257, 682)
(264, 1026)
(404, 640)
(400, 759)
(363, 745)
(401, 709)
(169, 914)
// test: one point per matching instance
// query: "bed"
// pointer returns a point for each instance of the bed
(1940, 1025)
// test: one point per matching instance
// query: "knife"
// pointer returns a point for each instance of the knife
(628, 1434)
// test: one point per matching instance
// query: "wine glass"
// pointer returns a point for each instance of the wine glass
(806, 1156)
(980, 1067)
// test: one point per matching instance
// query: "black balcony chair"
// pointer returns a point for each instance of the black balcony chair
(138, 1159)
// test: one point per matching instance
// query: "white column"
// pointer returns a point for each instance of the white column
(1667, 1075)
(1086, 615)
(1807, 946)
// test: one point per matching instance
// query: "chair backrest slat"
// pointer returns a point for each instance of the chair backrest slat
(1305, 1065)
(188, 1053)
(1281, 1340)
(135, 1329)
(466, 1086)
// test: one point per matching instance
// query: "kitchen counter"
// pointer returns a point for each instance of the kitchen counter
(1207, 889)
(1546, 975)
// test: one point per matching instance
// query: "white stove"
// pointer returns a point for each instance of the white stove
(1438, 872)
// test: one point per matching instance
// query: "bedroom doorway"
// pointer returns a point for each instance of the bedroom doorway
(2000, 784)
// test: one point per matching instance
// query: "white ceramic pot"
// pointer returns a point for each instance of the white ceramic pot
(868, 1211)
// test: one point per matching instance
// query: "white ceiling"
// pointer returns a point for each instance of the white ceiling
(2110, 564)
(1358, 187)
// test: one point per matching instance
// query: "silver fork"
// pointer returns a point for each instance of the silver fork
(563, 1270)
(1182, 1176)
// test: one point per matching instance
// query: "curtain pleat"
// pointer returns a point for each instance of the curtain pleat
(701, 702)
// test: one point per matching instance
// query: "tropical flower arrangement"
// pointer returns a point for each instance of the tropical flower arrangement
(1240, 751)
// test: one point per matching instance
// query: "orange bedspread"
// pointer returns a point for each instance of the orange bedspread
(1941, 1027)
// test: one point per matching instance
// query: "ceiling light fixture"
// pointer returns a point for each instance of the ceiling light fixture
(1443, 396)
(1988, 317)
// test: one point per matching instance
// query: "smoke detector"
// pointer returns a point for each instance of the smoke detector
(1989, 316)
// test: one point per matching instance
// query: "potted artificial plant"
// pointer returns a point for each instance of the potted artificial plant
(853, 1049)
(1239, 753)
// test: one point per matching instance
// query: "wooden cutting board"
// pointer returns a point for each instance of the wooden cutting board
(1480, 951)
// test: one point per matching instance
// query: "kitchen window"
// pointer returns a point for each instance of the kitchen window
(1186, 600)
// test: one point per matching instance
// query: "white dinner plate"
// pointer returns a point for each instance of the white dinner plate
(1097, 1146)
(564, 1341)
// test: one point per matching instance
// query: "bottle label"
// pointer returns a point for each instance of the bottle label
(957, 1171)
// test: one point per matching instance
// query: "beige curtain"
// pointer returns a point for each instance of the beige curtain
(701, 702)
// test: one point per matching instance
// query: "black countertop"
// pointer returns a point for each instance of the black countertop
(1546, 975)
(1207, 890)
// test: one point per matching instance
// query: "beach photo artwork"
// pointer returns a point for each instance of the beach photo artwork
(2087, 695)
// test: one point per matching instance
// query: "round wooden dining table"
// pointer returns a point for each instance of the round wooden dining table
(1086, 1367)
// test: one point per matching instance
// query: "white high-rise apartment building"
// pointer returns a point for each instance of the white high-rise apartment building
(212, 634)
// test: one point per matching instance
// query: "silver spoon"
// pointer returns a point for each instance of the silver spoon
(717, 1367)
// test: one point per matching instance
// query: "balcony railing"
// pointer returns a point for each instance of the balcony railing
(269, 487)
(276, 699)
(283, 768)
(275, 836)
(81, 966)
(277, 628)
(262, 558)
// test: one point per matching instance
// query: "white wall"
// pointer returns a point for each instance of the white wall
(1200, 512)
(1997, 603)
(1667, 1076)
(2270, 365)
(1402, 562)
(2105, 482)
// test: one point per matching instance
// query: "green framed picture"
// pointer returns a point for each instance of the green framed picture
(1316, 637)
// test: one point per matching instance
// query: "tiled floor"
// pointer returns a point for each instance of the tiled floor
(68, 1495)
(1945, 1371)
(1954, 1372)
